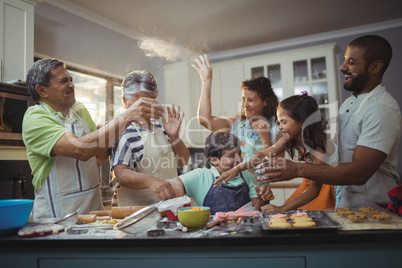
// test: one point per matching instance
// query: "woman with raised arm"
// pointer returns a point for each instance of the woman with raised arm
(256, 125)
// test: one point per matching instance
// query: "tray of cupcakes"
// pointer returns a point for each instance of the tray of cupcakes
(299, 221)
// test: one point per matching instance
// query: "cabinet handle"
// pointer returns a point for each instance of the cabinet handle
(1, 70)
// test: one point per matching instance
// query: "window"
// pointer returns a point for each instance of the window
(97, 92)
(91, 91)
(117, 100)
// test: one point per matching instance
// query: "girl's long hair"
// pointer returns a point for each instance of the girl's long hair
(300, 108)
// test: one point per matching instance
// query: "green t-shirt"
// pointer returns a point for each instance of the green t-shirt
(40, 132)
(198, 182)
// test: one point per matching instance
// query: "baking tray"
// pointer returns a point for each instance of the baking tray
(324, 223)
(369, 223)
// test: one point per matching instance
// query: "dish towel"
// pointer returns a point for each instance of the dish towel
(395, 205)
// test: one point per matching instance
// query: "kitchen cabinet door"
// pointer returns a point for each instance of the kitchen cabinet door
(230, 89)
(183, 87)
(16, 37)
(314, 70)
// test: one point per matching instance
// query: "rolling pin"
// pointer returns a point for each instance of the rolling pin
(86, 218)
(101, 213)
(122, 212)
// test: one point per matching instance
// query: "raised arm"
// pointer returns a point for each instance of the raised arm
(205, 117)
(172, 127)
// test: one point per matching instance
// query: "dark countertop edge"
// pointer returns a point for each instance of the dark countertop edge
(339, 237)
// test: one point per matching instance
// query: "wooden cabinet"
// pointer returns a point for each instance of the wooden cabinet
(16, 38)
(311, 69)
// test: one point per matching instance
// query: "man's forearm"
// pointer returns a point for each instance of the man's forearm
(340, 174)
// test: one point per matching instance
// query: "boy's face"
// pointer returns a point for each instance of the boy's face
(228, 160)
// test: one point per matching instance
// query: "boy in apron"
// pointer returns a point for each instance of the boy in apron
(222, 150)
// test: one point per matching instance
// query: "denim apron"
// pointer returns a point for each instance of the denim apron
(226, 198)
(377, 187)
(158, 160)
(71, 183)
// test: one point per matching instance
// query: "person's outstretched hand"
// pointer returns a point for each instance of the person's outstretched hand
(173, 122)
(203, 67)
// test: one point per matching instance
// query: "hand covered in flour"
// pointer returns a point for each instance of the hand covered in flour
(226, 176)
(162, 189)
(144, 109)
(203, 67)
(173, 122)
(276, 169)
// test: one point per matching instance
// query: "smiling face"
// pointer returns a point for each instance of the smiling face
(355, 70)
(60, 94)
(228, 160)
(289, 126)
(251, 103)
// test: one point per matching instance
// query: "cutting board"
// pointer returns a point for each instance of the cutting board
(369, 224)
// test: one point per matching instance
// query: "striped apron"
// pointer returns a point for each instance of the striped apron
(71, 183)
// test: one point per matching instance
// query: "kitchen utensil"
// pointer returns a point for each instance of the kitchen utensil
(68, 220)
(15, 213)
(194, 219)
(172, 205)
(140, 221)
(122, 212)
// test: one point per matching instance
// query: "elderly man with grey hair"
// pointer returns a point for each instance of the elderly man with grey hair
(63, 144)
(147, 154)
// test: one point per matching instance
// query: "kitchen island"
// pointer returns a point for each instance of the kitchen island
(250, 246)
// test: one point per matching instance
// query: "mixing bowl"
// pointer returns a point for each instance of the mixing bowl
(14, 213)
(194, 218)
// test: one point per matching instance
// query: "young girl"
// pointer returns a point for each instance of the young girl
(300, 119)
(303, 133)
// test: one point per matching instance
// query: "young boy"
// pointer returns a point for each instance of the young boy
(222, 150)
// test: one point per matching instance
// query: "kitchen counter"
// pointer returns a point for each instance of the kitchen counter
(332, 248)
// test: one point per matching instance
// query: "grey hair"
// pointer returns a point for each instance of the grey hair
(138, 81)
(40, 74)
